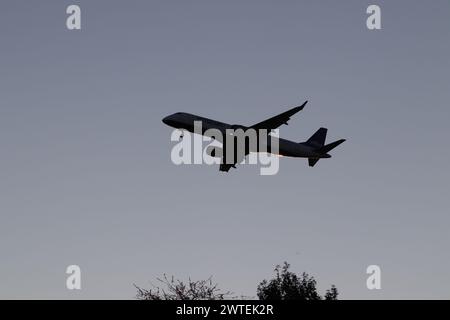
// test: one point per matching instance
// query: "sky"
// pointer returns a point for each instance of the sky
(85, 171)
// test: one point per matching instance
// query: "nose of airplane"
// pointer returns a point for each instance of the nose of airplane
(166, 120)
(172, 120)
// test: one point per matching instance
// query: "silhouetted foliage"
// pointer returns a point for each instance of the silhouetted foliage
(331, 294)
(288, 286)
(174, 289)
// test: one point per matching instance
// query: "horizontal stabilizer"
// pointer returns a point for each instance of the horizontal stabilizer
(330, 146)
(312, 161)
(323, 151)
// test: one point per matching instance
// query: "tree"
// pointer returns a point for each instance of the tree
(288, 286)
(331, 294)
(174, 289)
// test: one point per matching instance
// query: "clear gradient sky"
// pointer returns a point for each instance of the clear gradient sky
(85, 170)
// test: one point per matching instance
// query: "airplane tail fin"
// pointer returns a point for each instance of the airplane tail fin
(318, 138)
(317, 141)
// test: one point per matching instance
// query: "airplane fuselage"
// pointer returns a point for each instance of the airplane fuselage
(286, 148)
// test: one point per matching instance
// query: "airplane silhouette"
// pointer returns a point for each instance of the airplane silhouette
(314, 148)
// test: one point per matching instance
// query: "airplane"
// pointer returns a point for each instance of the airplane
(313, 149)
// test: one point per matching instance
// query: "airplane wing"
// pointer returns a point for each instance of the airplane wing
(278, 120)
(227, 166)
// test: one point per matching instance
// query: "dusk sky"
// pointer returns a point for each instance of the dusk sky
(85, 171)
